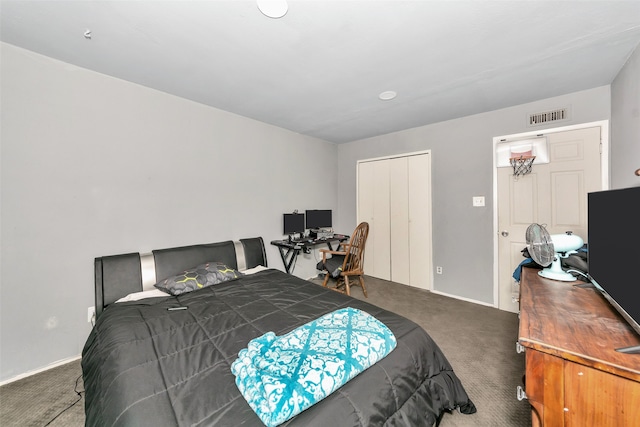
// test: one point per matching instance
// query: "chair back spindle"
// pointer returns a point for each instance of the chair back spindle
(355, 259)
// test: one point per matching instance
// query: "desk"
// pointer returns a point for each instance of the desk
(574, 376)
(289, 250)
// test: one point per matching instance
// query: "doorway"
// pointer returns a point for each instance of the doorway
(553, 194)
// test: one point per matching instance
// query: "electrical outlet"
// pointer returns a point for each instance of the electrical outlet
(439, 270)
(478, 201)
(91, 312)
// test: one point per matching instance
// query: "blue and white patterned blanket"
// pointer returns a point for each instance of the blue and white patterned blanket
(281, 376)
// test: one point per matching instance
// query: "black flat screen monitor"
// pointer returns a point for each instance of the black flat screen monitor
(613, 244)
(318, 218)
(293, 223)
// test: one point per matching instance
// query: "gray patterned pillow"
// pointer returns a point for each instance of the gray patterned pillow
(198, 277)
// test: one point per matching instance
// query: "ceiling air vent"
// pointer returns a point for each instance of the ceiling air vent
(544, 117)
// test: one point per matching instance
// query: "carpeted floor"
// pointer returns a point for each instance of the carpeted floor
(479, 342)
(36, 400)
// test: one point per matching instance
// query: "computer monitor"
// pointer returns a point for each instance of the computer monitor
(318, 218)
(293, 223)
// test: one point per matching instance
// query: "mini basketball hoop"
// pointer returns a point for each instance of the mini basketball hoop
(521, 165)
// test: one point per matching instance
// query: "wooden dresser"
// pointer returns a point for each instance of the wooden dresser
(574, 376)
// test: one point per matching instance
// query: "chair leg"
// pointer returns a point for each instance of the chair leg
(364, 289)
(326, 279)
(346, 285)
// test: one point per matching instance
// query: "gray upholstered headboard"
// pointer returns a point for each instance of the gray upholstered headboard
(117, 276)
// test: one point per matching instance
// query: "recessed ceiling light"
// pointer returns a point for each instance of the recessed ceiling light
(273, 8)
(387, 95)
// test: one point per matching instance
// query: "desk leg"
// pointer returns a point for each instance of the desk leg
(288, 258)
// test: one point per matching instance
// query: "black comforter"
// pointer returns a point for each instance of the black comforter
(145, 365)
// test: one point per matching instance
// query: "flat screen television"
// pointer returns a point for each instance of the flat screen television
(613, 244)
(318, 218)
(293, 223)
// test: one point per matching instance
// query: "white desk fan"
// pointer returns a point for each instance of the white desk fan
(547, 250)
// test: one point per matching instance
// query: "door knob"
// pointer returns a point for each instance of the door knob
(505, 233)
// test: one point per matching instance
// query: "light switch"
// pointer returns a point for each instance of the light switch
(478, 201)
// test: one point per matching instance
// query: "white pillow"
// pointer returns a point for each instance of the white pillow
(255, 269)
(144, 294)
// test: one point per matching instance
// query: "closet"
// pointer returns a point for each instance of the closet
(394, 197)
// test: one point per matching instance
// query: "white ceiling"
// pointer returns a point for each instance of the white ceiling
(319, 69)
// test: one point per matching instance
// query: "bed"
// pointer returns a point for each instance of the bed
(165, 360)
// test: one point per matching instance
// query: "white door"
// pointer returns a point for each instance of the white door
(373, 207)
(399, 219)
(553, 194)
(420, 259)
(394, 197)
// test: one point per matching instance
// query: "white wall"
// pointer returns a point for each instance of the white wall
(625, 124)
(462, 152)
(92, 165)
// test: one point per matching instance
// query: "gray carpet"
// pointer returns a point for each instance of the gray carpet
(478, 341)
(36, 400)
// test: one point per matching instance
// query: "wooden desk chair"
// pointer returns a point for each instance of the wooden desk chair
(347, 262)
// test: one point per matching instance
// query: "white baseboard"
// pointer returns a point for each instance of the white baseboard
(463, 299)
(44, 368)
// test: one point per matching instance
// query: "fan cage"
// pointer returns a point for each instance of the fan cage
(540, 245)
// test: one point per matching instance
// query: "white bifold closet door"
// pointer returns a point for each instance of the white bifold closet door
(373, 207)
(394, 196)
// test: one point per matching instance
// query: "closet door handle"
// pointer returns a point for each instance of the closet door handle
(505, 233)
